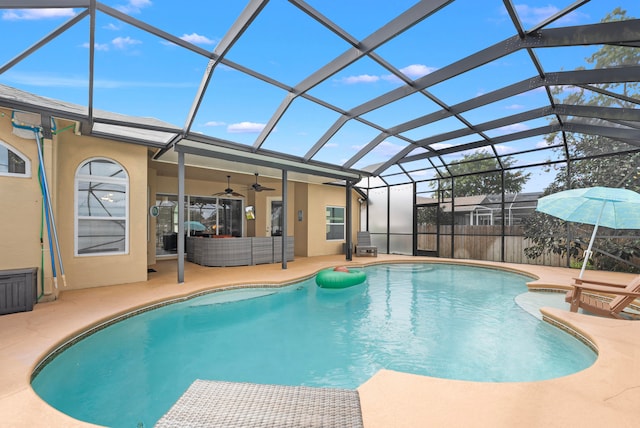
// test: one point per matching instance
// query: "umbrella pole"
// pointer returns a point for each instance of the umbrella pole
(587, 253)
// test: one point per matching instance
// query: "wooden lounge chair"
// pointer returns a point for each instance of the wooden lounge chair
(624, 295)
(364, 246)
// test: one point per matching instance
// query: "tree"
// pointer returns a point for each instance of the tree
(469, 180)
(594, 164)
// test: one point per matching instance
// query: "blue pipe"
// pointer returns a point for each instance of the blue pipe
(50, 218)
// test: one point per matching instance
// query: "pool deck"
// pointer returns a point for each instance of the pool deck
(606, 394)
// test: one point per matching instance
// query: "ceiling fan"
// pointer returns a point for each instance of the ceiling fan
(259, 187)
(228, 191)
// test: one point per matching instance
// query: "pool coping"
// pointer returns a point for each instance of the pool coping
(607, 392)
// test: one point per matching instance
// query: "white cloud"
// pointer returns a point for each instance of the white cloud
(386, 148)
(534, 15)
(214, 123)
(141, 84)
(440, 146)
(38, 79)
(420, 173)
(332, 145)
(516, 127)
(111, 26)
(415, 71)
(97, 46)
(36, 14)
(515, 107)
(197, 39)
(245, 128)
(50, 80)
(363, 78)
(504, 149)
(542, 144)
(124, 42)
(134, 6)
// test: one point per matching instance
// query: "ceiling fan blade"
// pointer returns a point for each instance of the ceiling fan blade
(229, 191)
(232, 193)
(259, 187)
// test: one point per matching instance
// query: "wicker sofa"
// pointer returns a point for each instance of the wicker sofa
(237, 251)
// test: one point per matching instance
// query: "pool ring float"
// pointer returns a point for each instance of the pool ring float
(330, 278)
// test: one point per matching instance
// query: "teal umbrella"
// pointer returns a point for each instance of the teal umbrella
(195, 225)
(600, 206)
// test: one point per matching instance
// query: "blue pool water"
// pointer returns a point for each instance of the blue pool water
(448, 321)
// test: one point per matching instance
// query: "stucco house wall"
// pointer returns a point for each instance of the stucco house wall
(21, 220)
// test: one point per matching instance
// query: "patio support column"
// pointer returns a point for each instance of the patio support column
(348, 221)
(453, 215)
(503, 228)
(180, 217)
(285, 192)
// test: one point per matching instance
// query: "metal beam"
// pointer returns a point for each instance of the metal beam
(614, 75)
(611, 94)
(567, 36)
(249, 13)
(609, 113)
(558, 15)
(366, 149)
(325, 170)
(394, 27)
(92, 54)
(152, 30)
(597, 112)
(326, 137)
(40, 43)
(629, 136)
(273, 120)
(515, 19)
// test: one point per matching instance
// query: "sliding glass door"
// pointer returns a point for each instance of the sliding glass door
(204, 215)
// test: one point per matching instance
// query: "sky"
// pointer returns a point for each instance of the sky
(139, 74)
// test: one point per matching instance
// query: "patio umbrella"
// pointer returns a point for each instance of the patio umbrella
(600, 206)
(195, 225)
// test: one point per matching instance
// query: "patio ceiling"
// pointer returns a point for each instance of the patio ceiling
(397, 90)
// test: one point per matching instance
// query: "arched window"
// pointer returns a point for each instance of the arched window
(102, 208)
(12, 162)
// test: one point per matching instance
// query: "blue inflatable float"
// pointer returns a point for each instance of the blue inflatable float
(341, 278)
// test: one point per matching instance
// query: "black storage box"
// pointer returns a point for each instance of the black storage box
(18, 290)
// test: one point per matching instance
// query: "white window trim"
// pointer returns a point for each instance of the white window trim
(344, 232)
(121, 181)
(27, 162)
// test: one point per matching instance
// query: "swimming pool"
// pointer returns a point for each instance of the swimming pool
(441, 320)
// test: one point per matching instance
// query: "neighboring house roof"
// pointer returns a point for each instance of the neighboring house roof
(464, 203)
(471, 203)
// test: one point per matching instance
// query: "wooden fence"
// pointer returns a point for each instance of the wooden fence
(484, 243)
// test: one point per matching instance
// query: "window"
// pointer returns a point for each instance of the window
(102, 206)
(12, 162)
(335, 223)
